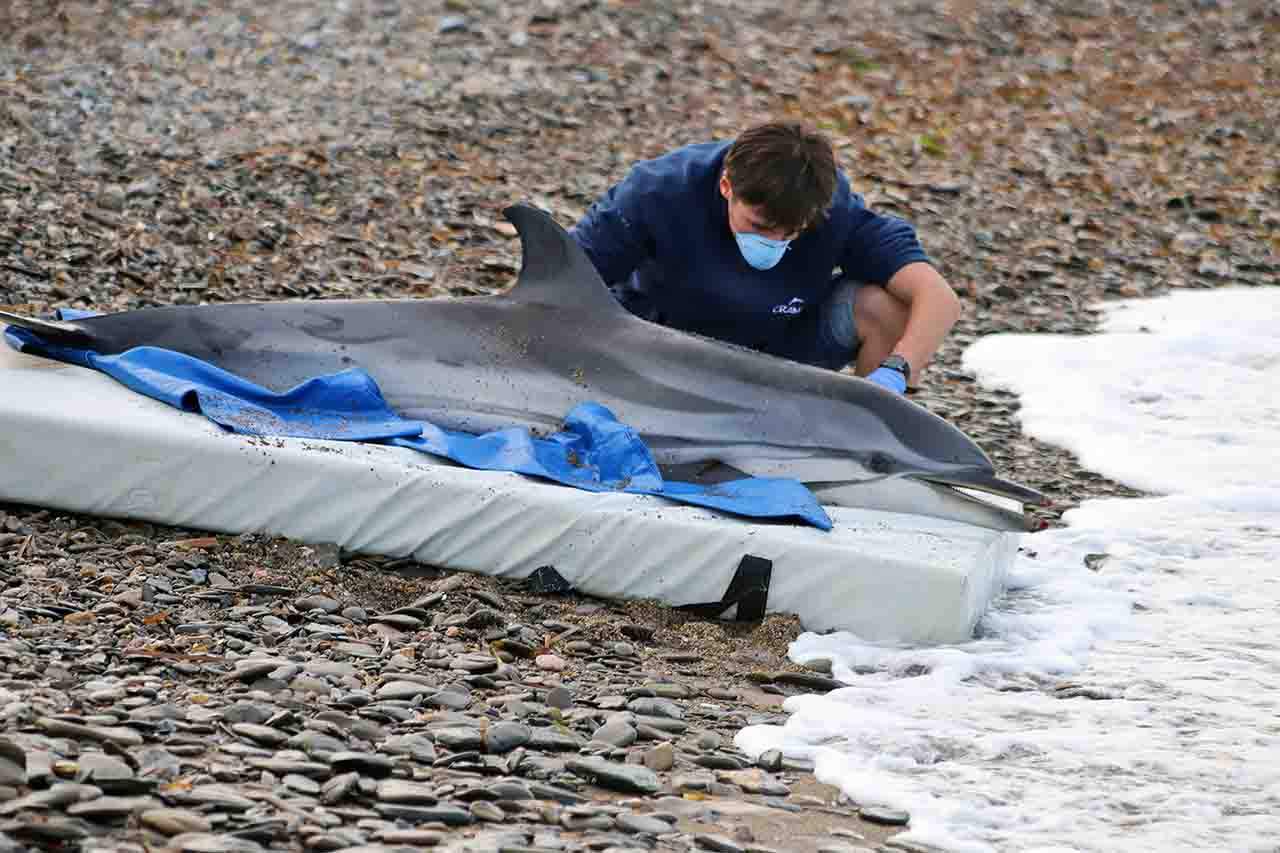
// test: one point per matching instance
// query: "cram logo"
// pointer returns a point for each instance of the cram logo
(795, 306)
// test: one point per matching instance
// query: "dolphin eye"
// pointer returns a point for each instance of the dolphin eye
(880, 463)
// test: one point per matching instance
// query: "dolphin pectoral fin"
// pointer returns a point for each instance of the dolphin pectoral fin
(554, 270)
(53, 331)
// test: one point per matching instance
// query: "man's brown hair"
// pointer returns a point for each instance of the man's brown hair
(785, 168)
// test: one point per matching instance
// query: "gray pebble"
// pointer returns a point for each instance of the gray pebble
(474, 663)
(618, 777)
(252, 669)
(416, 746)
(264, 735)
(48, 831)
(308, 684)
(755, 781)
(585, 819)
(154, 712)
(617, 733)
(218, 796)
(886, 816)
(106, 696)
(720, 761)
(404, 791)
(401, 621)
(411, 837)
(317, 602)
(201, 842)
(365, 763)
(770, 759)
(687, 782)
(682, 657)
(797, 765)
(96, 768)
(509, 790)
(502, 737)
(819, 665)
(246, 712)
(543, 791)
(338, 788)
(661, 758)
(301, 784)
(367, 730)
(452, 23)
(403, 690)
(109, 808)
(459, 738)
(174, 821)
(449, 700)
(671, 690)
(656, 707)
(559, 697)
(276, 625)
(718, 843)
(337, 668)
(552, 740)
(642, 824)
(486, 811)
(664, 724)
(156, 762)
(118, 735)
(356, 650)
(449, 815)
(316, 744)
(708, 741)
(289, 766)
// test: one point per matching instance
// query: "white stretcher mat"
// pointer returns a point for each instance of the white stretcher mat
(73, 439)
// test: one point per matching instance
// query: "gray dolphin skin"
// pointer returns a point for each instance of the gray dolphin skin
(708, 410)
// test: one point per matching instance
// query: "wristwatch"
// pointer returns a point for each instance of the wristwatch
(898, 363)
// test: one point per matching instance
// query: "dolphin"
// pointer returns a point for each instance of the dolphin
(708, 410)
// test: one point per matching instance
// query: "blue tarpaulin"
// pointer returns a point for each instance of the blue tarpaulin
(592, 451)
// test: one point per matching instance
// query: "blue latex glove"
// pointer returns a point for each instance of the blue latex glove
(887, 377)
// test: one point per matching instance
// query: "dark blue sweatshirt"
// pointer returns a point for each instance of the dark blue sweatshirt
(661, 240)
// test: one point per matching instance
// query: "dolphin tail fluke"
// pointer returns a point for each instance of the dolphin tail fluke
(53, 331)
(554, 270)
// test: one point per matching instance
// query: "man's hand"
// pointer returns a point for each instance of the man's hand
(887, 377)
(932, 309)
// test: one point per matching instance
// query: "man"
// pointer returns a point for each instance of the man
(761, 242)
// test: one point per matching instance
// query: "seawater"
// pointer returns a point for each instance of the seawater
(1126, 702)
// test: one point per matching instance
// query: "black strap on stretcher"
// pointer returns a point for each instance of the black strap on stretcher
(749, 589)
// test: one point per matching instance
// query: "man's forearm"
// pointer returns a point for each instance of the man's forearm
(932, 309)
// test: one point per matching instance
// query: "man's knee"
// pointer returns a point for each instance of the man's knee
(840, 329)
(879, 315)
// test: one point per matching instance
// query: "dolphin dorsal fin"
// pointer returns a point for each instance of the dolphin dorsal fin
(553, 268)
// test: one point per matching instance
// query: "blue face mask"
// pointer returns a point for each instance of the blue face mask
(761, 252)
